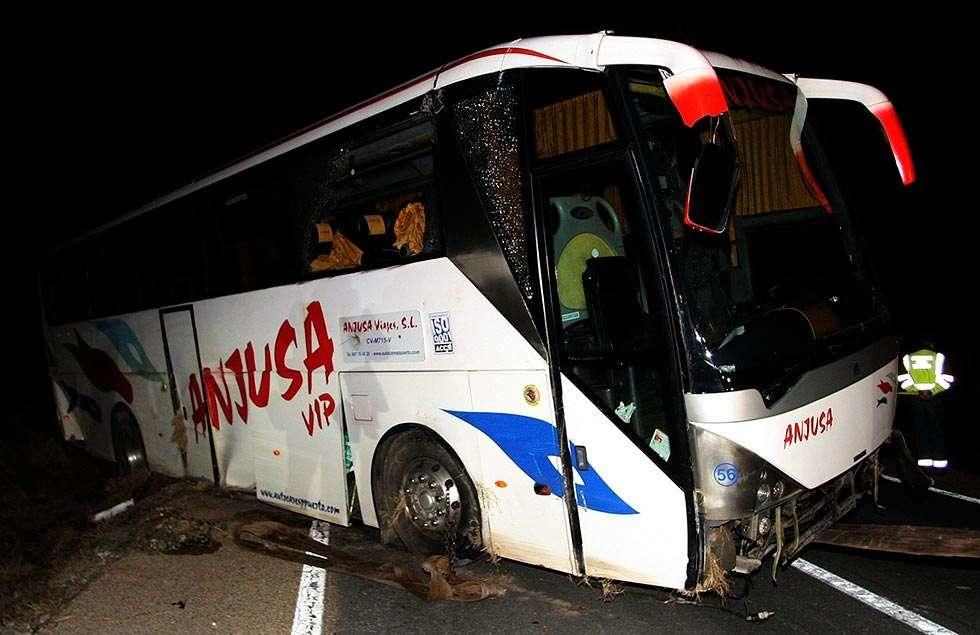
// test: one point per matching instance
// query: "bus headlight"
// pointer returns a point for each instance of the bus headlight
(762, 495)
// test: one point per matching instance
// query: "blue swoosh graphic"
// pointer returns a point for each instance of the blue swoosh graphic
(129, 347)
(528, 442)
(81, 401)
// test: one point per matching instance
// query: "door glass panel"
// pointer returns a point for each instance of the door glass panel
(609, 341)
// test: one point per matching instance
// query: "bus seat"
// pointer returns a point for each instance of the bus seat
(322, 237)
(612, 297)
(585, 227)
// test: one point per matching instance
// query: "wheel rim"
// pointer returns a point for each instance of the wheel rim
(431, 497)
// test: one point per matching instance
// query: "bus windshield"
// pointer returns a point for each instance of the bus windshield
(784, 286)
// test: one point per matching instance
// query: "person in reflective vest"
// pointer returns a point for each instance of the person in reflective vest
(923, 379)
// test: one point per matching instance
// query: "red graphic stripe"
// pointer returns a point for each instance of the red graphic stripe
(99, 368)
(888, 118)
(502, 51)
(696, 94)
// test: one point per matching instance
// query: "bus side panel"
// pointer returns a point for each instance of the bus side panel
(76, 422)
(519, 449)
(219, 396)
(377, 402)
(488, 430)
(884, 411)
(139, 335)
(181, 343)
(271, 361)
(271, 393)
(111, 363)
(88, 405)
(633, 517)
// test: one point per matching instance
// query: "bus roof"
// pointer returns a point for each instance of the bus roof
(692, 69)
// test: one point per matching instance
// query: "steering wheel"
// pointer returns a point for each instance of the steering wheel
(580, 336)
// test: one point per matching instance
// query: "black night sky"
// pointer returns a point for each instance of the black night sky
(113, 110)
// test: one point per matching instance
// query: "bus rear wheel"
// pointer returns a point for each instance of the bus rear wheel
(127, 443)
(427, 499)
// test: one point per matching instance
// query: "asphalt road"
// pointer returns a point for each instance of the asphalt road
(235, 589)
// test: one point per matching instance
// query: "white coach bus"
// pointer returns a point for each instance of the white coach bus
(588, 302)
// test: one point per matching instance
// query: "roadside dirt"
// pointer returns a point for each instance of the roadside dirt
(55, 560)
(51, 549)
(48, 491)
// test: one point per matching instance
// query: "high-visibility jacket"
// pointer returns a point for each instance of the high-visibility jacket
(924, 371)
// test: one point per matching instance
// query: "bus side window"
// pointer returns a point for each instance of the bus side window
(373, 204)
(485, 119)
(159, 257)
(377, 233)
(250, 241)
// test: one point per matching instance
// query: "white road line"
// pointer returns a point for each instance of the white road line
(308, 618)
(873, 600)
(962, 497)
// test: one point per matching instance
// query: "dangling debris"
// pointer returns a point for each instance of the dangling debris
(293, 544)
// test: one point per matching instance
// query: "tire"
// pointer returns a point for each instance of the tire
(425, 497)
(127, 444)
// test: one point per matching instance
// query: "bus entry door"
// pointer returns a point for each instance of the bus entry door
(194, 438)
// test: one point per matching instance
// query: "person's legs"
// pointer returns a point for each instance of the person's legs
(937, 441)
(927, 427)
(913, 475)
(923, 439)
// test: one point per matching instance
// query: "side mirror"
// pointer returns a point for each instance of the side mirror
(712, 189)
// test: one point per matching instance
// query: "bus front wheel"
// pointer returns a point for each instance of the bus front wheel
(427, 499)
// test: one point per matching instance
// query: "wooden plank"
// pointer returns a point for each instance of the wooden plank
(915, 540)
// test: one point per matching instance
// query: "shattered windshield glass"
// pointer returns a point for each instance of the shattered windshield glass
(760, 298)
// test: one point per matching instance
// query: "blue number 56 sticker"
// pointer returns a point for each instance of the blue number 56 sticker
(726, 474)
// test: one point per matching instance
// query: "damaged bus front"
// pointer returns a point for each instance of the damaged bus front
(790, 366)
